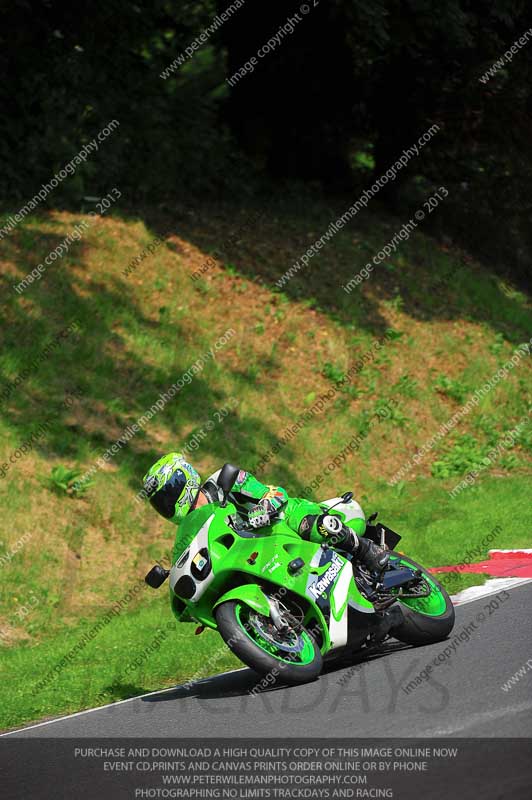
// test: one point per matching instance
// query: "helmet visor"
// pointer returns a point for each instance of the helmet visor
(165, 499)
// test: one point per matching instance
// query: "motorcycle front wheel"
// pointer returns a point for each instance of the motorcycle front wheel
(290, 656)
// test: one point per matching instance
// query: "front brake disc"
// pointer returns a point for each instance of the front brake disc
(270, 633)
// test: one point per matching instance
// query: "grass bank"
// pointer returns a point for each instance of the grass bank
(142, 316)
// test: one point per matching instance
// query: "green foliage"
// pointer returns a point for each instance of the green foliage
(157, 153)
(62, 480)
(202, 288)
(396, 303)
(333, 373)
(464, 455)
(497, 345)
(130, 354)
(508, 461)
(454, 389)
(184, 132)
(393, 335)
(406, 386)
(433, 534)
(524, 436)
(387, 411)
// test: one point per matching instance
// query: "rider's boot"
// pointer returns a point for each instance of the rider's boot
(370, 555)
(373, 557)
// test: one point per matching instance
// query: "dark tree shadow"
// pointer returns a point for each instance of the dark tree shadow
(109, 384)
(425, 277)
(242, 682)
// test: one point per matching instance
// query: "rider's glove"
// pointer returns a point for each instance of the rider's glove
(258, 517)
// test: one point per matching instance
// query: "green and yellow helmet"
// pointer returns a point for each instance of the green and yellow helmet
(171, 486)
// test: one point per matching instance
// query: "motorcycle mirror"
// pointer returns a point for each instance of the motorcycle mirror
(157, 576)
(226, 478)
(347, 497)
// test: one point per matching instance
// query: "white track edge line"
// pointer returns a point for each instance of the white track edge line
(116, 703)
(513, 583)
(173, 688)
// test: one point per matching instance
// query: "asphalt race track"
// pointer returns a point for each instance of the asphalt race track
(462, 696)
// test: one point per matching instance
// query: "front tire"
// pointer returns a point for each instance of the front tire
(426, 620)
(294, 658)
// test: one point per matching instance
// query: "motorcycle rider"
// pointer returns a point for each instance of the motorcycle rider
(174, 489)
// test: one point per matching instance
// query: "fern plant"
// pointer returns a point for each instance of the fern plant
(63, 480)
(454, 389)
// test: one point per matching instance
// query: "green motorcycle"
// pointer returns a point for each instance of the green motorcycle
(282, 604)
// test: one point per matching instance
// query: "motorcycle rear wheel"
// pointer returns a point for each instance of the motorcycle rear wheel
(426, 619)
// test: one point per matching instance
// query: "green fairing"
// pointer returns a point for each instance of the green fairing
(249, 491)
(251, 594)
(296, 510)
(188, 528)
(225, 573)
(276, 546)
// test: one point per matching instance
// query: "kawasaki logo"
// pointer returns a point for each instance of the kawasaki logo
(319, 586)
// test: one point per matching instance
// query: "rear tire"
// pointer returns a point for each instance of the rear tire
(251, 653)
(418, 628)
